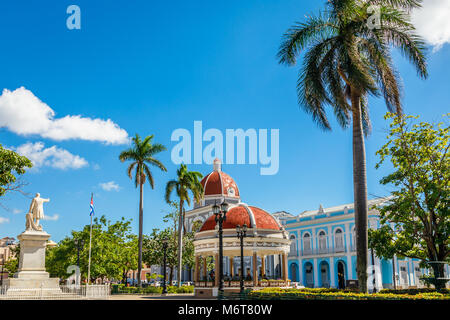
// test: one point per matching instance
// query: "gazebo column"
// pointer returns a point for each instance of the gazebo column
(216, 270)
(255, 269)
(263, 265)
(197, 269)
(231, 267)
(285, 267)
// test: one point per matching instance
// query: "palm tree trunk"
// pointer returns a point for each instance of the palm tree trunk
(360, 193)
(180, 243)
(141, 220)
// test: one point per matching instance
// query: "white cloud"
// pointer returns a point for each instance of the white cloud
(23, 113)
(3, 220)
(433, 22)
(55, 217)
(110, 186)
(50, 157)
(16, 211)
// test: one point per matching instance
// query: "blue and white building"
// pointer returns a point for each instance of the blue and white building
(323, 250)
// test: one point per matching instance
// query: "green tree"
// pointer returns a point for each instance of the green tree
(113, 251)
(142, 155)
(186, 182)
(416, 220)
(346, 60)
(11, 165)
(12, 265)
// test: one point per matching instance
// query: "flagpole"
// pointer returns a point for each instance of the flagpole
(90, 245)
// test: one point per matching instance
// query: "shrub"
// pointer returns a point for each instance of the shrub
(413, 291)
(335, 294)
(120, 288)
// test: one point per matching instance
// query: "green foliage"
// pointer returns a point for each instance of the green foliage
(121, 289)
(412, 291)
(314, 294)
(344, 57)
(141, 156)
(187, 181)
(416, 219)
(12, 265)
(153, 252)
(11, 164)
(113, 251)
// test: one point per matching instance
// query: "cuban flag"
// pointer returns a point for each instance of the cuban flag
(91, 212)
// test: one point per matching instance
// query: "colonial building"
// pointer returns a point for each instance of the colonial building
(322, 252)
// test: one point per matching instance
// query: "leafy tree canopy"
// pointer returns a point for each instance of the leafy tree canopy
(416, 219)
(11, 165)
(113, 251)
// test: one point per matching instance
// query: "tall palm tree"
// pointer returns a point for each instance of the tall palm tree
(187, 181)
(347, 59)
(142, 155)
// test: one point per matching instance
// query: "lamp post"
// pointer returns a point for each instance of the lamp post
(241, 233)
(164, 243)
(220, 213)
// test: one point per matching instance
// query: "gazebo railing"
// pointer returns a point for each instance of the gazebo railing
(236, 284)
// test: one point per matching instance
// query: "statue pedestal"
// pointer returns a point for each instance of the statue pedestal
(31, 273)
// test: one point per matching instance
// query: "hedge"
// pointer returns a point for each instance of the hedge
(413, 291)
(121, 289)
(334, 294)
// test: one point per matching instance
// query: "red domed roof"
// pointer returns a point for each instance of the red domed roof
(242, 214)
(219, 183)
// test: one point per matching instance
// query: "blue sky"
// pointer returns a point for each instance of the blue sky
(152, 67)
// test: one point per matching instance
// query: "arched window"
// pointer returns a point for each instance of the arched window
(322, 242)
(339, 240)
(293, 251)
(306, 243)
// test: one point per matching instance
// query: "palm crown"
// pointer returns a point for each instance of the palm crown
(348, 57)
(142, 154)
(186, 181)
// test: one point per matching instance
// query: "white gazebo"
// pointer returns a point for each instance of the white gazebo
(266, 241)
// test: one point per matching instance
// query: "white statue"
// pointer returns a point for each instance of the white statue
(36, 213)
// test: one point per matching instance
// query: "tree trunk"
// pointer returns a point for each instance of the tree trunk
(171, 275)
(141, 220)
(180, 244)
(360, 193)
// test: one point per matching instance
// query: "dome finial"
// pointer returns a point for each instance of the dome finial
(217, 165)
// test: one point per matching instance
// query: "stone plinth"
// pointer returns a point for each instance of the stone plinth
(31, 273)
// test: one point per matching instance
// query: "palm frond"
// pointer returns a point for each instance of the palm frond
(302, 35)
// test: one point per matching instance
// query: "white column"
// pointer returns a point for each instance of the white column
(379, 278)
(300, 271)
(397, 270)
(313, 240)
(332, 282)
(412, 280)
(316, 274)
(330, 239)
(347, 237)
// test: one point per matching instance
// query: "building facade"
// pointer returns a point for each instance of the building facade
(323, 251)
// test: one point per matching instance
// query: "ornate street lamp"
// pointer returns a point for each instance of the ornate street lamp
(79, 244)
(242, 233)
(220, 213)
(165, 244)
